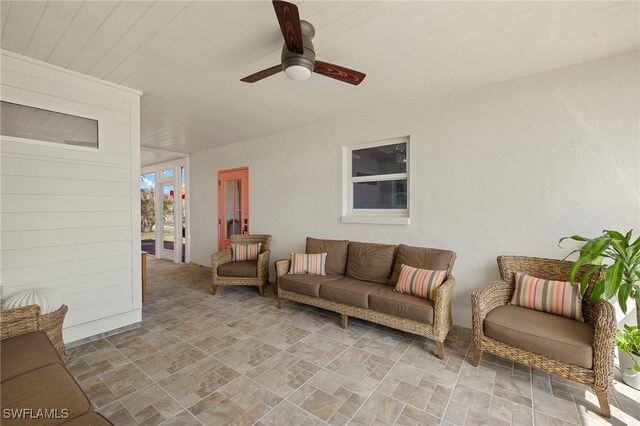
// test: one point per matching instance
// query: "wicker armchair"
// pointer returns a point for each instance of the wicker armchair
(600, 316)
(261, 276)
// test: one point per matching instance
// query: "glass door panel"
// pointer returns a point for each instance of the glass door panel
(233, 205)
(168, 220)
(148, 212)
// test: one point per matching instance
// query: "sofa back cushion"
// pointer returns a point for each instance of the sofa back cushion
(370, 262)
(423, 258)
(336, 261)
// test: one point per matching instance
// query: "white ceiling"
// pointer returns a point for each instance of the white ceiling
(188, 57)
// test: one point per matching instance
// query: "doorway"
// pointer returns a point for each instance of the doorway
(164, 218)
(233, 205)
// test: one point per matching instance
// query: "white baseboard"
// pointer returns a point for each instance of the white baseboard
(104, 325)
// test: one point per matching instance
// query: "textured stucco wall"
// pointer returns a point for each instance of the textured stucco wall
(503, 169)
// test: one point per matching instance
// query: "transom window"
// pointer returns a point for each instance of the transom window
(377, 182)
(26, 123)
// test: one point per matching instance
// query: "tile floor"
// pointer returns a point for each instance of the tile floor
(234, 358)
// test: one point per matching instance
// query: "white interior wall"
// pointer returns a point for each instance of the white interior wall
(503, 169)
(70, 219)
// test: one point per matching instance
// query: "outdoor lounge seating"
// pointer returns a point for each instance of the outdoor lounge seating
(36, 387)
(578, 351)
(224, 271)
(360, 283)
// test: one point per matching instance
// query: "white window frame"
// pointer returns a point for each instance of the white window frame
(100, 120)
(375, 216)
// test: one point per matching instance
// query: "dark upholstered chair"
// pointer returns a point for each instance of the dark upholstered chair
(577, 351)
(247, 272)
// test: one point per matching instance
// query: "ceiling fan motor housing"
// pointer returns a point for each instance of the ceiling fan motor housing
(305, 59)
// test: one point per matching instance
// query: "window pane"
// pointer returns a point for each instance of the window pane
(388, 194)
(379, 160)
(22, 121)
(167, 173)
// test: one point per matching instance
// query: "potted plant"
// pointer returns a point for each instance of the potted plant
(621, 258)
(628, 342)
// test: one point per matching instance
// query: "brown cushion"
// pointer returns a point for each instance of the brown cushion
(89, 419)
(21, 354)
(370, 262)
(336, 250)
(420, 257)
(50, 387)
(242, 268)
(309, 285)
(401, 305)
(348, 291)
(553, 336)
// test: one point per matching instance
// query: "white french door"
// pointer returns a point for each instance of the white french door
(171, 218)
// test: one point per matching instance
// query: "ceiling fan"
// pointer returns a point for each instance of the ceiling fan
(298, 59)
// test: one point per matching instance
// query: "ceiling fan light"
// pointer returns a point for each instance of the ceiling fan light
(297, 72)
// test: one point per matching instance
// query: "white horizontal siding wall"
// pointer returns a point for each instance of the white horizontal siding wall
(70, 219)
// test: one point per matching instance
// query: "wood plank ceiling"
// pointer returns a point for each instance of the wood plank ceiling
(188, 57)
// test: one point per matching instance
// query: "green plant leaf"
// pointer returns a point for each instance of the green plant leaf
(613, 279)
(623, 295)
(615, 235)
(584, 283)
(597, 292)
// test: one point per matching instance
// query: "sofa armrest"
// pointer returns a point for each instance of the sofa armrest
(603, 344)
(484, 300)
(442, 308)
(14, 322)
(263, 265)
(282, 267)
(219, 258)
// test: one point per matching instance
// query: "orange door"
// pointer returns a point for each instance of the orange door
(233, 205)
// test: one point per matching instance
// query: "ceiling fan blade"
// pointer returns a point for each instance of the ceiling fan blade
(262, 74)
(289, 20)
(339, 73)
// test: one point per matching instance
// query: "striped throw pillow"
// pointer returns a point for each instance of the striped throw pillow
(419, 282)
(245, 251)
(310, 264)
(554, 297)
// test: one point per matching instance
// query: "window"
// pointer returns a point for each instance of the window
(376, 182)
(30, 124)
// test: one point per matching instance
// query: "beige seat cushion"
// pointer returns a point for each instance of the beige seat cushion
(26, 352)
(419, 257)
(50, 387)
(348, 291)
(241, 268)
(89, 419)
(370, 262)
(308, 285)
(553, 336)
(336, 263)
(401, 305)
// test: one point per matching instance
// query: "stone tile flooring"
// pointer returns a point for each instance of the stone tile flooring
(234, 358)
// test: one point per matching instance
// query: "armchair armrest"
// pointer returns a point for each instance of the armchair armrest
(484, 300)
(263, 265)
(442, 311)
(14, 322)
(219, 258)
(282, 267)
(603, 344)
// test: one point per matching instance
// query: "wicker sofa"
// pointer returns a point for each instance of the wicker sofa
(578, 351)
(36, 388)
(360, 283)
